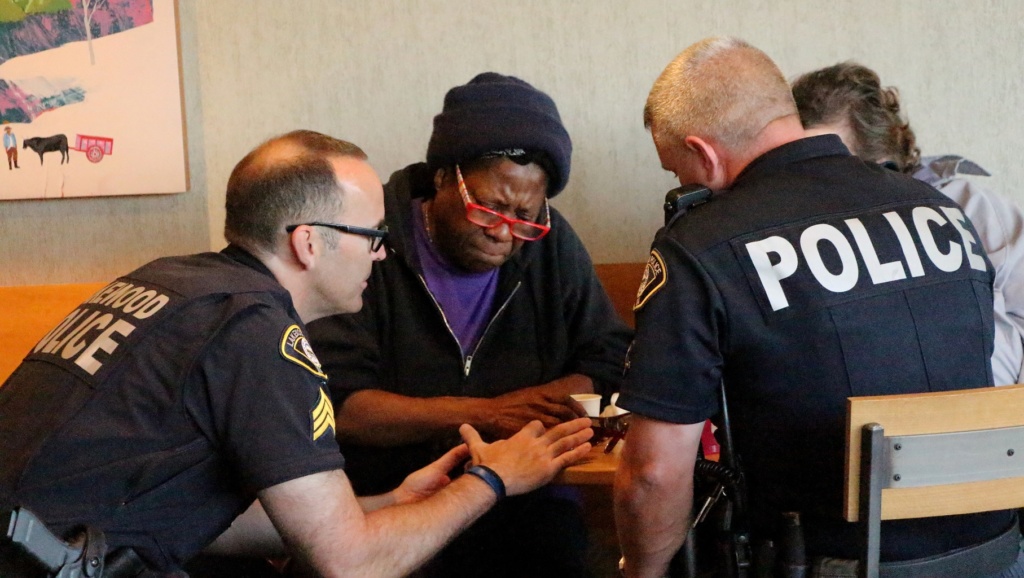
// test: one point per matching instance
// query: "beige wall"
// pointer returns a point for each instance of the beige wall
(94, 239)
(375, 72)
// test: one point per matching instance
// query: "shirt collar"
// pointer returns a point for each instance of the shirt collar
(791, 152)
(240, 255)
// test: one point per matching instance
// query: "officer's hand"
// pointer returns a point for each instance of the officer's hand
(548, 404)
(533, 456)
(426, 482)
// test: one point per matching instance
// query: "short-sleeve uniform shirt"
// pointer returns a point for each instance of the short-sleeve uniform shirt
(160, 406)
(814, 278)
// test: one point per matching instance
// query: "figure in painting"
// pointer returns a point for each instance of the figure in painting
(11, 146)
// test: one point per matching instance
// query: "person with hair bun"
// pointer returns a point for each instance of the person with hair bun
(848, 99)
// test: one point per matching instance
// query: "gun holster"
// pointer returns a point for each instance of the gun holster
(29, 549)
(94, 552)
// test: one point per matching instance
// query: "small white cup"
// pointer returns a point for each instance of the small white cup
(591, 402)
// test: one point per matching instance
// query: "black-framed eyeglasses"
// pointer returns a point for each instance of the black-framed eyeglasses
(377, 236)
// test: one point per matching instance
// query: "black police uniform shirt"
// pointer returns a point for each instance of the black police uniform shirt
(814, 278)
(161, 405)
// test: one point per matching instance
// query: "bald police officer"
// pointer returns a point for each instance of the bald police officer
(161, 407)
(808, 277)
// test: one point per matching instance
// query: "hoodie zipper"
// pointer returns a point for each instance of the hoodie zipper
(467, 360)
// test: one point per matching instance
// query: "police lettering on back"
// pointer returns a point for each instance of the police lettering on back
(89, 330)
(890, 245)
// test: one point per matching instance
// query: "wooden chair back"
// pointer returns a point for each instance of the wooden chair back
(933, 454)
(935, 413)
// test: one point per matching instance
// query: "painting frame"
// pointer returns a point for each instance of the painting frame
(97, 107)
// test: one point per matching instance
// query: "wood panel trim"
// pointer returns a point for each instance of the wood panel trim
(28, 312)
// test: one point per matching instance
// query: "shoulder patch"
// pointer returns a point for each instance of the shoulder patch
(654, 279)
(323, 416)
(296, 348)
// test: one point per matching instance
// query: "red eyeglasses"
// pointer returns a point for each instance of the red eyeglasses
(488, 218)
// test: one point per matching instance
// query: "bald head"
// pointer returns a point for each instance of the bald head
(719, 89)
(286, 180)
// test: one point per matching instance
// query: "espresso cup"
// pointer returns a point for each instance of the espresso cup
(591, 402)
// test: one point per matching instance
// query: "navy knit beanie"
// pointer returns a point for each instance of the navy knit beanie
(494, 112)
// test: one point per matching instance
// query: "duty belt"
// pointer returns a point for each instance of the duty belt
(125, 563)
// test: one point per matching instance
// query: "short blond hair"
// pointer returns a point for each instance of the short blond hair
(720, 89)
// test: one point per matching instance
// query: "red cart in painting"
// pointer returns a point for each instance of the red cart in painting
(94, 147)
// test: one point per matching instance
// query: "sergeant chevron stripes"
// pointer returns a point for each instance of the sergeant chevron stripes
(323, 416)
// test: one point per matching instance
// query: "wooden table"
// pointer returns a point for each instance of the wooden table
(594, 478)
(597, 469)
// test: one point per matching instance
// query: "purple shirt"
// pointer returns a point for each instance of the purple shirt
(465, 298)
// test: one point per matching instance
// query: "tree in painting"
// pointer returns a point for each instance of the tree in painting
(88, 9)
(17, 10)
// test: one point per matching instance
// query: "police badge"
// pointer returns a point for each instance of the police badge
(296, 348)
(653, 280)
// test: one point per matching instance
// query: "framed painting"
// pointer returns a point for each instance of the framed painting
(90, 99)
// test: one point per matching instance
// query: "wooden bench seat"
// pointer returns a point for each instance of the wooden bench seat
(621, 281)
(29, 312)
